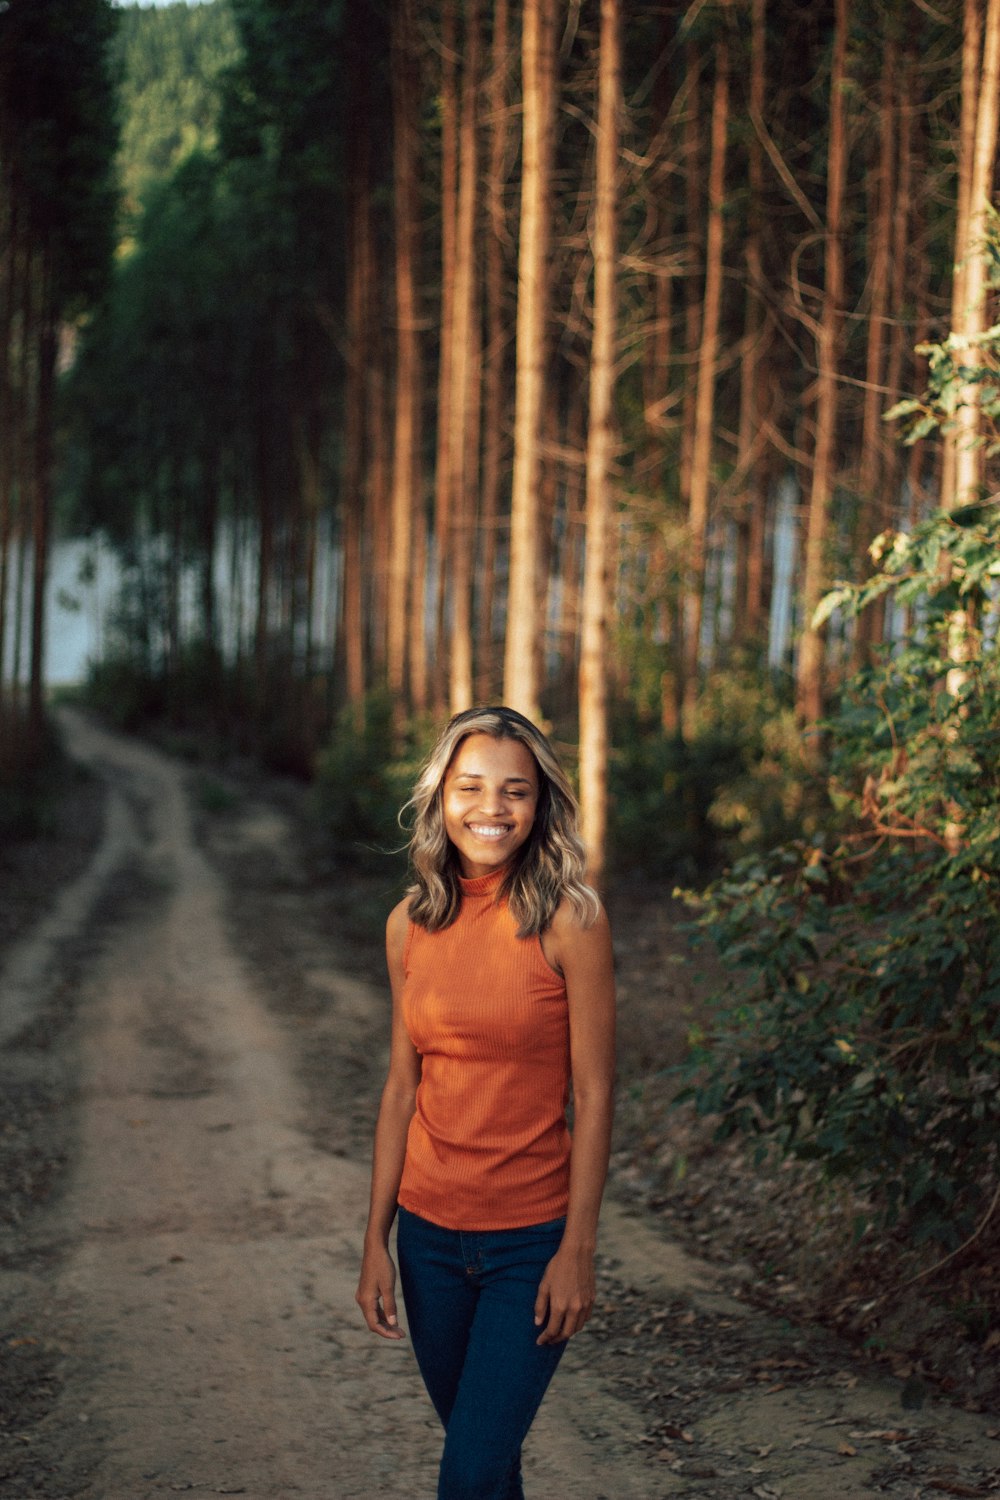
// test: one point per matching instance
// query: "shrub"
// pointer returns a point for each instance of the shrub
(863, 1031)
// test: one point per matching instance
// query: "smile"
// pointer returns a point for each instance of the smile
(489, 830)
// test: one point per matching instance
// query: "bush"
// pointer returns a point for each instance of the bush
(364, 777)
(741, 783)
(863, 1031)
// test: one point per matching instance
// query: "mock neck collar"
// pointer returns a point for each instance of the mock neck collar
(483, 885)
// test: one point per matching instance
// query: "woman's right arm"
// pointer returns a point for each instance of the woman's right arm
(376, 1286)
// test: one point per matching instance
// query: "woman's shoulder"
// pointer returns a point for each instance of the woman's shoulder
(570, 919)
(397, 927)
(574, 937)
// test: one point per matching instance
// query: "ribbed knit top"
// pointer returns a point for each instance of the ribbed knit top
(488, 1145)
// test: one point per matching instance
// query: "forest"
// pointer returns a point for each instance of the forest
(631, 363)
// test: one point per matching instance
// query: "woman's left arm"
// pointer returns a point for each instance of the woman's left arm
(568, 1288)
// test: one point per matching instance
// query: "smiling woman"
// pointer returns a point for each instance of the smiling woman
(489, 802)
(503, 996)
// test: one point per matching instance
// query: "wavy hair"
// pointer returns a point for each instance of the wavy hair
(549, 866)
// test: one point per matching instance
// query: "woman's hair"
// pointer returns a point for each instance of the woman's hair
(550, 864)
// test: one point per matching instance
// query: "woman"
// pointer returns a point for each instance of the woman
(503, 994)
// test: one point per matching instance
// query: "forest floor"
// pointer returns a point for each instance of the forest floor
(192, 1040)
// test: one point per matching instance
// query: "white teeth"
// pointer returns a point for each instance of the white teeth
(487, 831)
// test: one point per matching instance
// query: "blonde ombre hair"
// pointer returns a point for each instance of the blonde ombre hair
(547, 869)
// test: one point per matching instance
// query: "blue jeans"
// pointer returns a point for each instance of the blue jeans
(470, 1300)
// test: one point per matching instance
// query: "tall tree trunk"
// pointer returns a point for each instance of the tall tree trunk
(600, 439)
(750, 462)
(265, 558)
(41, 495)
(694, 284)
(495, 362)
(809, 684)
(972, 61)
(523, 599)
(968, 452)
(462, 454)
(443, 477)
(875, 511)
(405, 490)
(708, 358)
(359, 323)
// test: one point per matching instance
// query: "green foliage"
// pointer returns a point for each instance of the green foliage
(951, 374)
(364, 777)
(169, 60)
(740, 783)
(862, 1030)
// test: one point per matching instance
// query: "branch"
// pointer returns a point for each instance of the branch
(933, 1270)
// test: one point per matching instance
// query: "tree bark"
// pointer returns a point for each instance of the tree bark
(749, 448)
(463, 445)
(407, 409)
(443, 477)
(359, 320)
(701, 452)
(972, 59)
(495, 362)
(875, 509)
(968, 451)
(523, 597)
(600, 440)
(809, 683)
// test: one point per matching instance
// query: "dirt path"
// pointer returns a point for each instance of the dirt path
(190, 1295)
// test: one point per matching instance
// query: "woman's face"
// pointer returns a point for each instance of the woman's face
(489, 797)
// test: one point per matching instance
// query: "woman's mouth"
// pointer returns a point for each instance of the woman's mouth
(492, 831)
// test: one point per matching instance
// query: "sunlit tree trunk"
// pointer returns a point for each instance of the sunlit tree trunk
(600, 440)
(523, 599)
(967, 440)
(443, 478)
(809, 684)
(407, 404)
(694, 284)
(972, 60)
(495, 360)
(875, 508)
(708, 352)
(968, 451)
(462, 452)
(656, 370)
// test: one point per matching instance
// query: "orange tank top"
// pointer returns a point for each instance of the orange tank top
(488, 1146)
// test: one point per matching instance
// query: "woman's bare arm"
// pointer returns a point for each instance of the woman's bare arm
(583, 954)
(376, 1286)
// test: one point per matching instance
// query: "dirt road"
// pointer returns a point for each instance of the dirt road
(180, 1316)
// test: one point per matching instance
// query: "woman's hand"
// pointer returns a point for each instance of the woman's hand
(376, 1293)
(566, 1295)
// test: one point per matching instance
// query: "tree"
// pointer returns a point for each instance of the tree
(704, 406)
(406, 448)
(593, 689)
(521, 677)
(809, 683)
